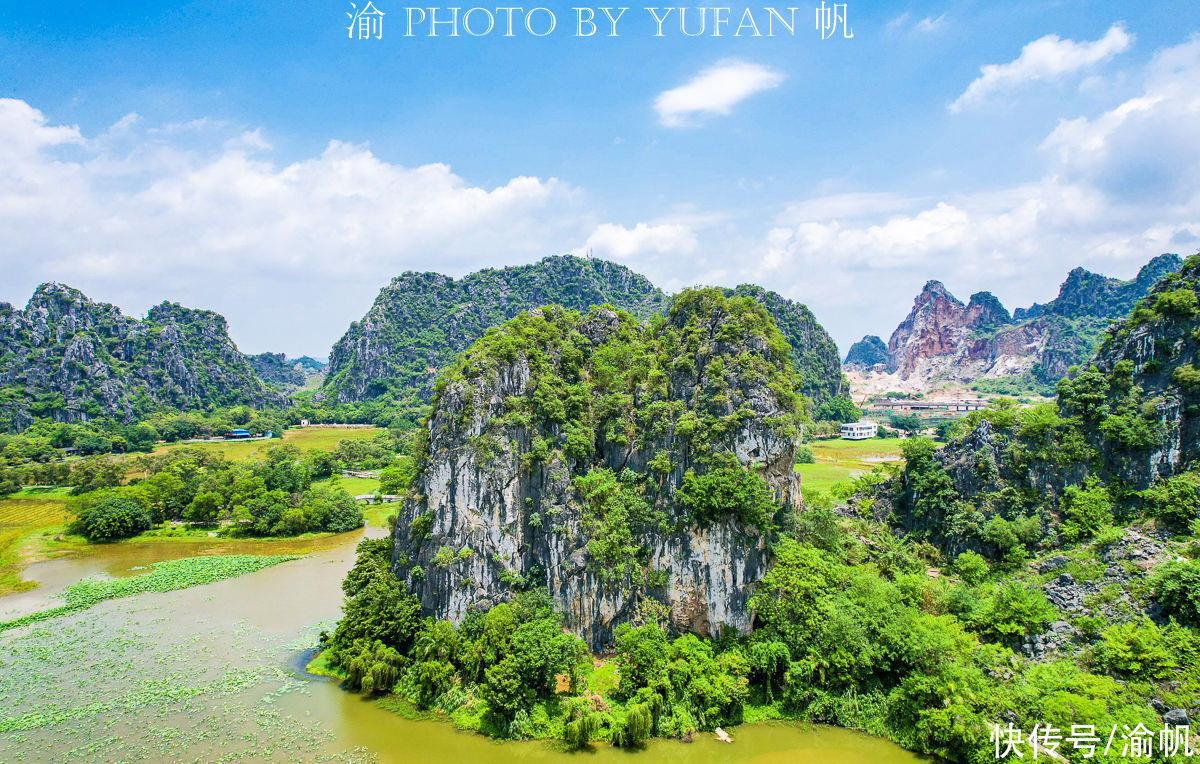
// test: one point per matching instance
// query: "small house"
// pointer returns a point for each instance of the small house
(237, 434)
(860, 430)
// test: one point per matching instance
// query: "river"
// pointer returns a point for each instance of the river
(215, 673)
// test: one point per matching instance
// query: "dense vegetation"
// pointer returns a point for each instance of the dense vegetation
(814, 354)
(272, 496)
(867, 352)
(39, 454)
(1040, 569)
(283, 373)
(852, 631)
(384, 367)
(67, 358)
(420, 321)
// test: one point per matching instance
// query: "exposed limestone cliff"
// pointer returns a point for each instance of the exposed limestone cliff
(942, 339)
(610, 461)
(1131, 417)
(69, 358)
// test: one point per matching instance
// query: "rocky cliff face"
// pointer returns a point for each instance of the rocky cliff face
(71, 359)
(942, 339)
(1130, 417)
(420, 322)
(598, 457)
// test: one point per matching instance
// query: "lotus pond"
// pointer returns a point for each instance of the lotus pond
(202, 660)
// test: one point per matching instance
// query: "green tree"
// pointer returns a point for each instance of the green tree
(972, 567)
(111, 515)
(727, 491)
(1139, 650)
(642, 658)
(838, 409)
(1174, 500)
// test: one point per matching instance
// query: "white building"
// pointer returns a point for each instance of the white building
(860, 430)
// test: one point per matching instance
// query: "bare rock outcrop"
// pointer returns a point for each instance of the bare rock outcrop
(587, 500)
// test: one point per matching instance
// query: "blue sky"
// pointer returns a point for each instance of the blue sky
(249, 158)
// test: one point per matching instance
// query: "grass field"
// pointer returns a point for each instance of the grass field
(305, 438)
(22, 516)
(839, 460)
(353, 485)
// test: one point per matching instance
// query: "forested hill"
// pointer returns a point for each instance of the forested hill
(71, 359)
(1127, 424)
(421, 321)
(283, 373)
(814, 353)
(621, 459)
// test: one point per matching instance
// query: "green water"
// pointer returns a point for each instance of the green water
(214, 673)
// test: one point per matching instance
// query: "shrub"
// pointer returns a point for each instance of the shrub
(1085, 510)
(727, 491)
(805, 455)
(972, 567)
(1138, 650)
(1174, 501)
(1013, 610)
(1176, 587)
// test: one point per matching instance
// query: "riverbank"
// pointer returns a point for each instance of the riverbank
(210, 673)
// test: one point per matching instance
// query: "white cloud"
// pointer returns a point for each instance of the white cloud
(1146, 148)
(1117, 189)
(291, 252)
(715, 90)
(926, 25)
(1046, 58)
(201, 213)
(846, 205)
(617, 241)
(930, 24)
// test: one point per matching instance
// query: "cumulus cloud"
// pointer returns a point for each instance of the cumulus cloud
(1146, 148)
(715, 90)
(1046, 58)
(617, 241)
(1117, 189)
(202, 213)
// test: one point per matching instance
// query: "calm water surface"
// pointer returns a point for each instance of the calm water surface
(214, 673)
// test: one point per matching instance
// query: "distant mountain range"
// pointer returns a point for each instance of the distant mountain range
(283, 373)
(70, 358)
(944, 340)
(420, 321)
